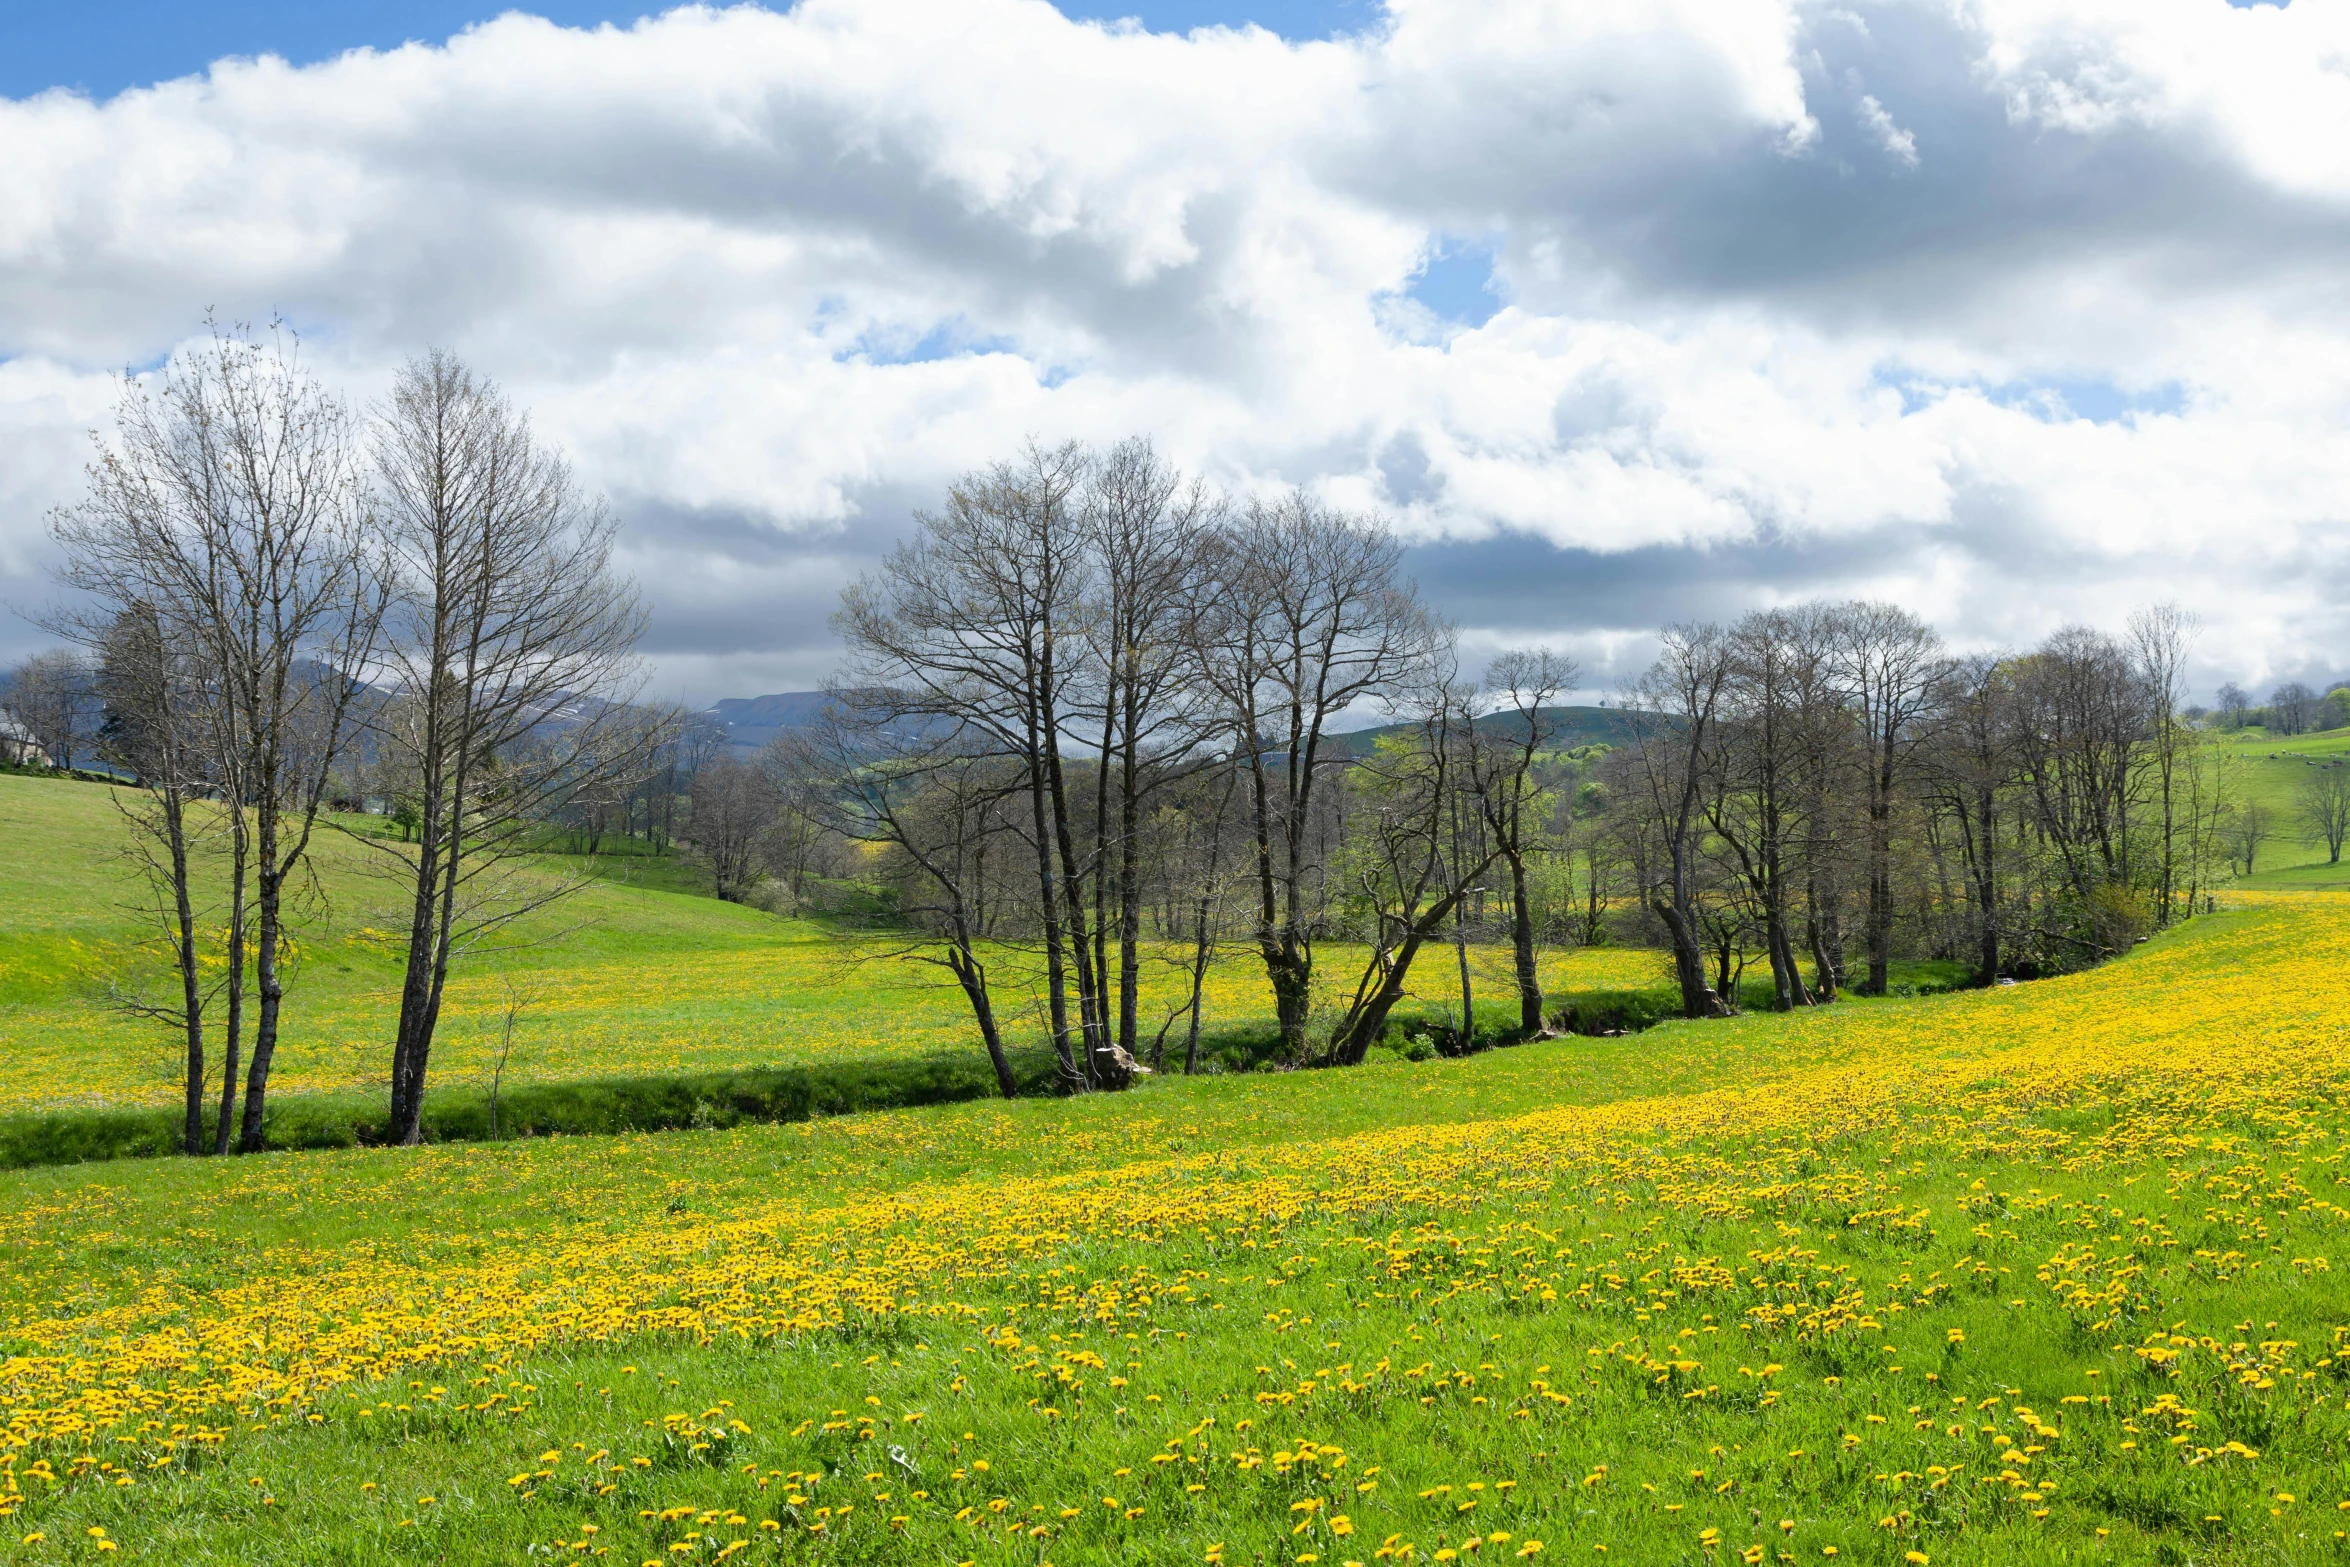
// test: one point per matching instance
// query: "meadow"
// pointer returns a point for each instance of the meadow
(2273, 767)
(2035, 1274)
(642, 974)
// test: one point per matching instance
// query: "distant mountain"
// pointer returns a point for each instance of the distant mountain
(751, 721)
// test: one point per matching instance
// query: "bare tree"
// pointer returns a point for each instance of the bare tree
(735, 806)
(1767, 750)
(977, 626)
(1205, 848)
(510, 662)
(2253, 826)
(2322, 802)
(1416, 852)
(51, 696)
(2235, 705)
(1524, 681)
(1970, 763)
(1147, 530)
(1674, 708)
(1311, 615)
(1892, 664)
(229, 510)
(941, 809)
(151, 696)
(2292, 706)
(2161, 637)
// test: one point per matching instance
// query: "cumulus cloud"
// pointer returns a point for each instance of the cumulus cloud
(2017, 311)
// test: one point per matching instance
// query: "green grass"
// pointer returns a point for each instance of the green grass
(1862, 1288)
(637, 980)
(2290, 860)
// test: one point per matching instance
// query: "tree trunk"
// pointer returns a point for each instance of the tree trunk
(1522, 943)
(1460, 947)
(973, 976)
(1203, 947)
(1048, 904)
(267, 980)
(1698, 998)
(233, 1032)
(185, 958)
(1353, 1041)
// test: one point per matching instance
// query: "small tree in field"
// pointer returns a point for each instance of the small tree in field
(2251, 829)
(735, 807)
(2323, 805)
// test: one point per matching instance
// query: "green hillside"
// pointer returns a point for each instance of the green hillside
(2272, 770)
(1570, 728)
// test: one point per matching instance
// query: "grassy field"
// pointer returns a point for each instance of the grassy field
(2038, 1274)
(639, 975)
(2273, 768)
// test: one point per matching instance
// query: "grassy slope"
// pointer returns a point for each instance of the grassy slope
(1948, 1276)
(641, 974)
(2274, 768)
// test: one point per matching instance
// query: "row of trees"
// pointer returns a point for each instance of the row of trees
(1828, 777)
(2293, 708)
(278, 598)
(1090, 694)
(1089, 723)
(1091, 702)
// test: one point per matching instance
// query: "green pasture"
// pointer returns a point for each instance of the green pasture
(1235, 1389)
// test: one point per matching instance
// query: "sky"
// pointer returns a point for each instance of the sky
(1622, 312)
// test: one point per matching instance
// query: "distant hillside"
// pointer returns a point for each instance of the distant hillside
(1570, 727)
(751, 721)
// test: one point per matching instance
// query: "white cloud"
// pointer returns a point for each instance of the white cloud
(775, 277)
(1899, 145)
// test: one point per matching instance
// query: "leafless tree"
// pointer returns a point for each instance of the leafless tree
(152, 694)
(51, 696)
(1310, 616)
(229, 511)
(2235, 705)
(2322, 802)
(2161, 638)
(1416, 851)
(941, 806)
(977, 626)
(1970, 765)
(1146, 529)
(1892, 663)
(1675, 707)
(510, 664)
(1507, 764)
(2292, 706)
(1203, 829)
(1779, 719)
(2252, 826)
(2080, 734)
(735, 807)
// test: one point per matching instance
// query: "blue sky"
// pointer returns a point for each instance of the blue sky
(103, 46)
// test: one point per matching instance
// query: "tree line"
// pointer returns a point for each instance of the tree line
(1089, 724)
(1096, 723)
